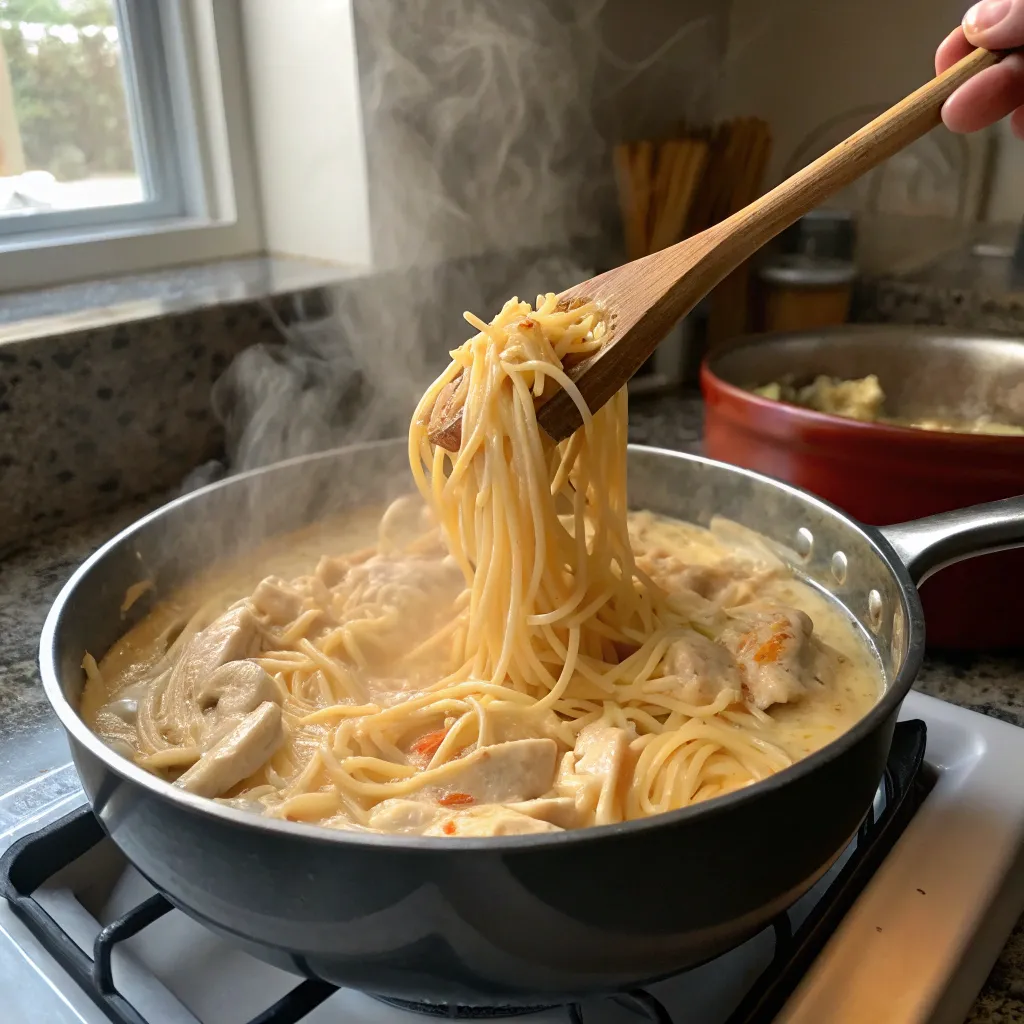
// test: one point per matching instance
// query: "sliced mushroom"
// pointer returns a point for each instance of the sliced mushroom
(228, 694)
(232, 637)
(236, 688)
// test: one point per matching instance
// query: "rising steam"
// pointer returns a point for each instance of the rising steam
(487, 171)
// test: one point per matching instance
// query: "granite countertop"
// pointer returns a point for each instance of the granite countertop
(31, 577)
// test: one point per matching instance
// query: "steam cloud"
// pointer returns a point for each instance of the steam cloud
(487, 170)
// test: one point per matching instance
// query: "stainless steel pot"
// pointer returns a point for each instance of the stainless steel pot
(523, 919)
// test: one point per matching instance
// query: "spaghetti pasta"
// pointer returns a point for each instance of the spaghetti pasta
(518, 653)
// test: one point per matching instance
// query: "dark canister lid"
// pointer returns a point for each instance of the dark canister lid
(821, 234)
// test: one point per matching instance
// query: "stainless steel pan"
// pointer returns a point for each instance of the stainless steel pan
(524, 919)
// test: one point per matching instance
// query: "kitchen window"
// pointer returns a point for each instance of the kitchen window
(123, 142)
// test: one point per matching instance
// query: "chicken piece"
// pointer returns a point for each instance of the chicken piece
(696, 670)
(556, 810)
(414, 817)
(398, 815)
(775, 650)
(502, 773)
(723, 585)
(595, 774)
(237, 755)
(274, 599)
(229, 693)
(490, 820)
(409, 583)
(406, 598)
(406, 519)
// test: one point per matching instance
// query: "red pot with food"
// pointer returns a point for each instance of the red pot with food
(886, 467)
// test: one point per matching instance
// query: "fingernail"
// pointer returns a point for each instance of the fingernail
(986, 15)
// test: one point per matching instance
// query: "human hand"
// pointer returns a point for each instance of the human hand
(997, 91)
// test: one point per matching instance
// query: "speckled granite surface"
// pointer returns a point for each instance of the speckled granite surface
(29, 581)
(31, 578)
(930, 303)
(975, 289)
(94, 418)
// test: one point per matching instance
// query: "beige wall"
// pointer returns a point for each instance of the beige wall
(308, 134)
(801, 63)
(661, 65)
(798, 63)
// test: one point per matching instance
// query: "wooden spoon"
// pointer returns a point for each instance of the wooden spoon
(642, 300)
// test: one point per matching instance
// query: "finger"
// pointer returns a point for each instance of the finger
(988, 97)
(953, 48)
(1017, 123)
(995, 24)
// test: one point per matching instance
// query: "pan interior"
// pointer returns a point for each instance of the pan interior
(229, 520)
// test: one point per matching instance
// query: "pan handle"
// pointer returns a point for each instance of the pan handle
(927, 545)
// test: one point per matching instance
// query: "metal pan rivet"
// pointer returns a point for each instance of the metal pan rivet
(804, 543)
(875, 610)
(839, 567)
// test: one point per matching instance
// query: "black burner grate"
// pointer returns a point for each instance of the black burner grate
(37, 857)
(443, 1012)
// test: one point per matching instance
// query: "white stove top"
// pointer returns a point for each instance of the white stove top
(914, 949)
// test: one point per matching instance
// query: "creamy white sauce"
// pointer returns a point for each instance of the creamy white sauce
(708, 572)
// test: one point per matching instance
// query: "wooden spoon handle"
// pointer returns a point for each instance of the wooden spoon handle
(886, 135)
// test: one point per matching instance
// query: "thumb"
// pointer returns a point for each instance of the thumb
(995, 24)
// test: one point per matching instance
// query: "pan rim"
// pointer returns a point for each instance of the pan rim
(79, 733)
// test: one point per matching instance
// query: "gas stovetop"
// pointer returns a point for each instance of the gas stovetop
(903, 929)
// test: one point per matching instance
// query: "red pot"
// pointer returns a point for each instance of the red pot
(883, 474)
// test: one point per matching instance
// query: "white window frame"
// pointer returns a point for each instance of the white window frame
(193, 103)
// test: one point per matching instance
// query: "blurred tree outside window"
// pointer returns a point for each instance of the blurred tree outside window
(65, 122)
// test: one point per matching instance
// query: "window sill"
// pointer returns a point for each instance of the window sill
(110, 301)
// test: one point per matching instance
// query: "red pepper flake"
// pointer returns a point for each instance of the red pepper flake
(771, 649)
(448, 828)
(527, 324)
(427, 745)
(456, 800)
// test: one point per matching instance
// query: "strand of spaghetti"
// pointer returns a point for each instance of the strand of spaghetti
(453, 741)
(171, 757)
(567, 670)
(334, 671)
(296, 629)
(307, 806)
(334, 711)
(562, 379)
